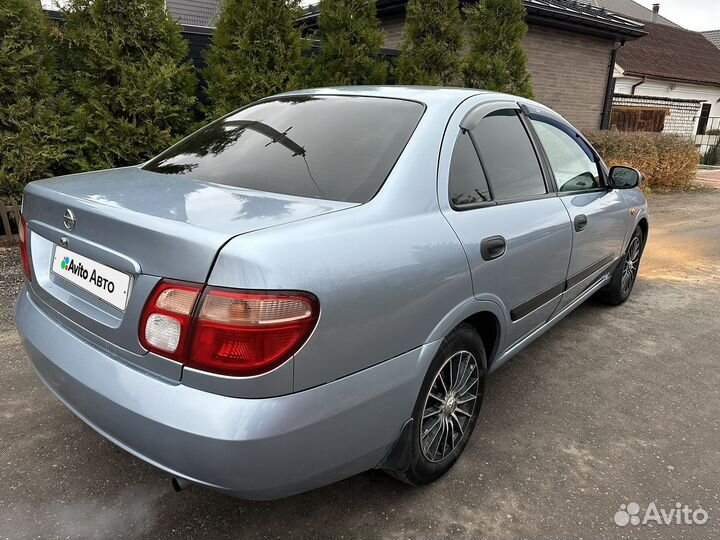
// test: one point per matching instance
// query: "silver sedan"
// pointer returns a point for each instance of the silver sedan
(319, 283)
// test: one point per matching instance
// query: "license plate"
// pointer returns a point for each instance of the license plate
(107, 284)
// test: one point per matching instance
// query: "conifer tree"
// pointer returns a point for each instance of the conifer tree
(350, 41)
(31, 140)
(127, 73)
(257, 50)
(433, 40)
(496, 59)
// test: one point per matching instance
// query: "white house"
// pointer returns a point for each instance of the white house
(668, 81)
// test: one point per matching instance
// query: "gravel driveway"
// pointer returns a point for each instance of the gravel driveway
(612, 406)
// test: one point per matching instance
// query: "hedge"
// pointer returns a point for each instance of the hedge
(669, 162)
(31, 135)
(124, 67)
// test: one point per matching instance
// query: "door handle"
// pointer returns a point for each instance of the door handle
(492, 247)
(580, 222)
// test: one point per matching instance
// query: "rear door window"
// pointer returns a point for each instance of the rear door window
(339, 148)
(468, 186)
(509, 159)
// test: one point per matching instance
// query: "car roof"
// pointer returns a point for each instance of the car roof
(430, 95)
(439, 98)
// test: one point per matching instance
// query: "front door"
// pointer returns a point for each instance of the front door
(514, 228)
(599, 216)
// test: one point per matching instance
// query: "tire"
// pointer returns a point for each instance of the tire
(624, 276)
(462, 351)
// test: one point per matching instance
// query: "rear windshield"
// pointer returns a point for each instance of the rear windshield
(338, 148)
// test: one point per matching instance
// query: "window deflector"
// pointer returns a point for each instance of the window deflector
(473, 118)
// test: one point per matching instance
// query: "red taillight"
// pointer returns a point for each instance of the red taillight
(243, 333)
(230, 332)
(24, 253)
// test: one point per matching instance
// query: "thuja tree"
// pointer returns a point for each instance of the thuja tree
(126, 71)
(433, 40)
(257, 50)
(350, 40)
(30, 135)
(496, 59)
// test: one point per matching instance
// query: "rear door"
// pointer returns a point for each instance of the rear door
(515, 230)
(599, 215)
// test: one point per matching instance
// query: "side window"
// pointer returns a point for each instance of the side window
(508, 156)
(573, 168)
(468, 185)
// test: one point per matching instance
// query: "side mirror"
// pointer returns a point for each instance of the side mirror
(624, 177)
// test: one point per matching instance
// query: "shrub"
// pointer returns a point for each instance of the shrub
(669, 162)
(351, 38)
(433, 39)
(31, 140)
(496, 58)
(257, 50)
(127, 73)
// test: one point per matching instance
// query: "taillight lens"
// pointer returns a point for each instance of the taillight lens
(229, 332)
(167, 317)
(24, 252)
(243, 333)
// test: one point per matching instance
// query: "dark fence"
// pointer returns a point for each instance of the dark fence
(707, 139)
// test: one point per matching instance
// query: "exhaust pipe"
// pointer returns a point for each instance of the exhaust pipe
(179, 484)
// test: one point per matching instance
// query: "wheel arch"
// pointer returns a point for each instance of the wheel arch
(487, 325)
(485, 316)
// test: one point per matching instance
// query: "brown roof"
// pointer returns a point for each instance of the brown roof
(194, 12)
(672, 54)
(713, 36)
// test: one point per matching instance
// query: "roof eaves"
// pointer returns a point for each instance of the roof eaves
(565, 14)
(571, 14)
(662, 77)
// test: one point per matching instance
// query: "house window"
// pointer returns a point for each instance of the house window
(704, 116)
(638, 119)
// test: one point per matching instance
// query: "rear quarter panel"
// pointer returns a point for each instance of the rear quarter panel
(384, 284)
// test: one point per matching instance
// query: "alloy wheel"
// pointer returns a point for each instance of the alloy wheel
(449, 406)
(631, 264)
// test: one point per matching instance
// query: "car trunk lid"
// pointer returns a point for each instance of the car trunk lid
(146, 225)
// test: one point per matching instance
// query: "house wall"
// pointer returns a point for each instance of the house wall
(682, 117)
(393, 28)
(569, 70)
(569, 73)
(654, 87)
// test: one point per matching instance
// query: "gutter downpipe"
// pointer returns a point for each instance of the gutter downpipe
(634, 86)
(610, 89)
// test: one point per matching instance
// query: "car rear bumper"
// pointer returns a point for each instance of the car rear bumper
(252, 448)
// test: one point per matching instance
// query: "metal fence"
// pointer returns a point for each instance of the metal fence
(9, 220)
(707, 139)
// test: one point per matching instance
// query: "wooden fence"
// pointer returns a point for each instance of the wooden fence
(9, 220)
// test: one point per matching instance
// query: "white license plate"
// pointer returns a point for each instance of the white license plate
(100, 280)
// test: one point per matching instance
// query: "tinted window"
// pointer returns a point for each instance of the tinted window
(330, 147)
(573, 168)
(508, 156)
(467, 180)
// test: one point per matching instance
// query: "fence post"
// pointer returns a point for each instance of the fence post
(6, 210)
